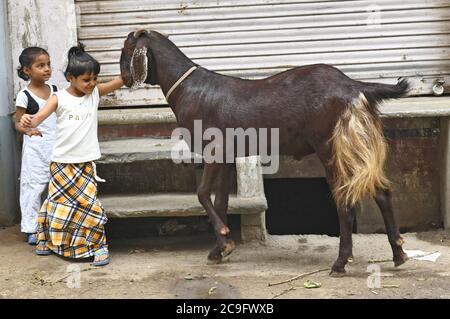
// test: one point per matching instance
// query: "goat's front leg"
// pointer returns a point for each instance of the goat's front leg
(210, 173)
(223, 246)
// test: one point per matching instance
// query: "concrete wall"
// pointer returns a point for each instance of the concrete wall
(8, 168)
(45, 23)
(413, 166)
(445, 170)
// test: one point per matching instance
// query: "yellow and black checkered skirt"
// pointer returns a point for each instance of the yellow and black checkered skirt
(71, 220)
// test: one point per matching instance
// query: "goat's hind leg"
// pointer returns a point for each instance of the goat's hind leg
(346, 219)
(383, 198)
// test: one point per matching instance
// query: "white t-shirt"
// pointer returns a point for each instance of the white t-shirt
(47, 127)
(76, 128)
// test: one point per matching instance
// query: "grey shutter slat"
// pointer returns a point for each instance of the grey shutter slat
(368, 40)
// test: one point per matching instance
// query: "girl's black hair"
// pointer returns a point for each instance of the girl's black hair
(26, 59)
(81, 62)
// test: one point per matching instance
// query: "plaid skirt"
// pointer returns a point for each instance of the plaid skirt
(71, 220)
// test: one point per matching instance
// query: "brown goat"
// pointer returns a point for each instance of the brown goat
(316, 108)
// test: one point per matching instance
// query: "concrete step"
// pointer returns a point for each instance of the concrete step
(145, 165)
(174, 204)
(135, 122)
(142, 149)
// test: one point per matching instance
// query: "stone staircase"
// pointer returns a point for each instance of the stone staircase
(143, 180)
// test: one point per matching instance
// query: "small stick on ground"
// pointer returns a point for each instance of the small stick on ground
(390, 286)
(376, 261)
(283, 292)
(297, 277)
(373, 261)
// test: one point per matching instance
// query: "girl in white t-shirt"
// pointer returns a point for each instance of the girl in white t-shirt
(71, 221)
(36, 150)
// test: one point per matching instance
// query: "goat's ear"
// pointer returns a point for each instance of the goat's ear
(140, 64)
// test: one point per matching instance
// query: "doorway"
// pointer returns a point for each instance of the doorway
(298, 206)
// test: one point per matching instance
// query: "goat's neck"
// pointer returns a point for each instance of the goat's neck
(170, 62)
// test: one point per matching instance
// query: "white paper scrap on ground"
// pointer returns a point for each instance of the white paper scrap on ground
(423, 255)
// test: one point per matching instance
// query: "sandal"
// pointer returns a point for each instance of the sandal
(32, 239)
(43, 250)
(103, 262)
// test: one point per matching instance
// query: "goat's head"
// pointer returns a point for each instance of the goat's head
(136, 59)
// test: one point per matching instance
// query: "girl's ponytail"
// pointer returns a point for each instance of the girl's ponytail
(76, 50)
(22, 74)
(80, 62)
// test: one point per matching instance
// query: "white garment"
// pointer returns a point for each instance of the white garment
(35, 170)
(30, 204)
(76, 128)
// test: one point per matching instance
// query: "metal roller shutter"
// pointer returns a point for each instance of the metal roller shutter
(368, 40)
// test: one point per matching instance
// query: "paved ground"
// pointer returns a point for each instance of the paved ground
(175, 267)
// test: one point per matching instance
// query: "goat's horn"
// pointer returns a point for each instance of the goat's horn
(164, 34)
(138, 33)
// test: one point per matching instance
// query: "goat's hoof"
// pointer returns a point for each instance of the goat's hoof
(337, 274)
(400, 259)
(214, 256)
(214, 261)
(337, 271)
(228, 248)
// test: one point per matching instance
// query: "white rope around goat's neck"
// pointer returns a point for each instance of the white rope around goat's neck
(183, 77)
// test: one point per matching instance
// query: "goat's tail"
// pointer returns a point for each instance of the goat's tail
(359, 147)
(359, 152)
(376, 92)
